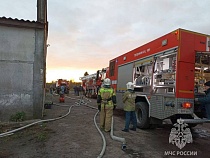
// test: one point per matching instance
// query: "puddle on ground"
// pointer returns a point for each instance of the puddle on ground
(134, 154)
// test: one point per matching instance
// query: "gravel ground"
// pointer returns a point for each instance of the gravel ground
(75, 136)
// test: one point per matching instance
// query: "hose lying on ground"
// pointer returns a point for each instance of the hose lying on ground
(111, 132)
(40, 121)
(117, 138)
(103, 138)
(18, 129)
(81, 102)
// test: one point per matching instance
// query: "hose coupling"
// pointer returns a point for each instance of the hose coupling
(123, 147)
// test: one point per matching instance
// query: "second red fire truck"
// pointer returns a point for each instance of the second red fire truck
(91, 83)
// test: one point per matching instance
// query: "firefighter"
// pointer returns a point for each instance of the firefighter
(62, 92)
(63, 89)
(51, 89)
(106, 101)
(129, 107)
(75, 90)
(205, 101)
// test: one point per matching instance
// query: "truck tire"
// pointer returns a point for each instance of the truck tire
(142, 115)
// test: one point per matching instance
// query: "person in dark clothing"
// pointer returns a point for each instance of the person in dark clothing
(75, 90)
(206, 100)
(51, 89)
(78, 89)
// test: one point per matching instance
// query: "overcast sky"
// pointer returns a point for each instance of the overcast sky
(85, 34)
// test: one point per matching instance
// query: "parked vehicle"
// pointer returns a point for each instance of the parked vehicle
(91, 83)
(62, 82)
(168, 73)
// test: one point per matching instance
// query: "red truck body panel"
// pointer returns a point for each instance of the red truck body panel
(187, 43)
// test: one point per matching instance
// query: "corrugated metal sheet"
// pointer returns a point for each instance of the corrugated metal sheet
(20, 23)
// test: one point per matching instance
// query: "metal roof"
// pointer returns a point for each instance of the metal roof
(20, 23)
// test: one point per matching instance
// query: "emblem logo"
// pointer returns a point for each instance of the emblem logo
(180, 135)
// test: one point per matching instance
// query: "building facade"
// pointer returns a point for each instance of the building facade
(23, 65)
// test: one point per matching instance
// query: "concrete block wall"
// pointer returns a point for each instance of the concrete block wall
(20, 72)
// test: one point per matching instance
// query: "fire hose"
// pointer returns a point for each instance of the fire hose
(123, 147)
(117, 138)
(111, 132)
(40, 121)
(81, 102)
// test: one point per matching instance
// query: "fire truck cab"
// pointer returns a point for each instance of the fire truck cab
(168, 73)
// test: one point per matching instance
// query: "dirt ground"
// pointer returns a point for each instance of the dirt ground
(75, 136)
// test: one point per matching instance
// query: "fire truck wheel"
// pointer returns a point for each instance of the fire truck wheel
(142, 114)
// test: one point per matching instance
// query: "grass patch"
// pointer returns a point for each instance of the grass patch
(42, 137)
(18, 117)
(37, 133)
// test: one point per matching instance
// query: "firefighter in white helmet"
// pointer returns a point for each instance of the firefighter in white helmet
(129, 107)
(106, 101)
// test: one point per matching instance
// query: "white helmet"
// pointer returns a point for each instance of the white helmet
(107, 82)
(130, 85)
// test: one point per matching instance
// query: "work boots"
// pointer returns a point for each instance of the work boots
(133, 129)
(125, 130)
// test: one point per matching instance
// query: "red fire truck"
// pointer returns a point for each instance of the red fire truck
(62, 82)
(168, 73)
(92, 83)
